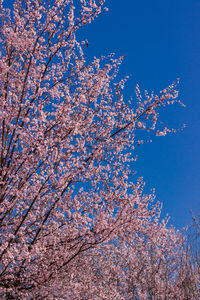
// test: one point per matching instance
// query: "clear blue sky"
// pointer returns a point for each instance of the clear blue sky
(161, 42)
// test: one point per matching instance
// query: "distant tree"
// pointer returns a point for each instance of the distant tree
(193, 245)
(194, 239)
(72, 224)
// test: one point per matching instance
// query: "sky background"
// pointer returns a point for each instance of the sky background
(161, 42)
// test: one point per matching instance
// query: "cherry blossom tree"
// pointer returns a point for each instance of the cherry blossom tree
(73, 224)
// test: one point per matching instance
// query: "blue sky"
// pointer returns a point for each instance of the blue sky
(161, 42)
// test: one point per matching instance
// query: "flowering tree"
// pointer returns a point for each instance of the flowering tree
(155, 267)
(68, 208)
(193, 243)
